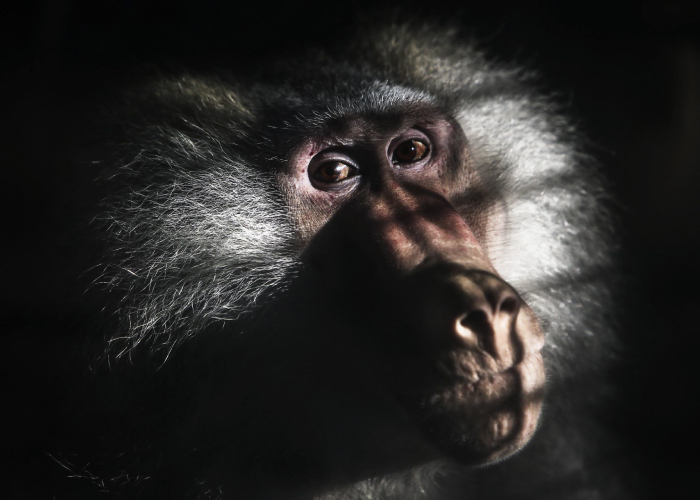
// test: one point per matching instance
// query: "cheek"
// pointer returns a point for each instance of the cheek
(532, 380)
(310, 217)
(495, 225)
(436, 176)
(309, 208)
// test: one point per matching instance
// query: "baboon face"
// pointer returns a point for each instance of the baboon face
(394, 241)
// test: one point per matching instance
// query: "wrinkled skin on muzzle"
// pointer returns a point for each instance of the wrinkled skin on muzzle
(452, 342)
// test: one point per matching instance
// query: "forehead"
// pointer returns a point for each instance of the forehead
(365, 128)
(375, 122)
(327, 103)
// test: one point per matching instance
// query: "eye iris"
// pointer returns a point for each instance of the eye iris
(410, 151)
(334, 172)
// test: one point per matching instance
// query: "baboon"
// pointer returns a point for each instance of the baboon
(362, 273)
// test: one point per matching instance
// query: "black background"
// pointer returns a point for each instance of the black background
(630, 71)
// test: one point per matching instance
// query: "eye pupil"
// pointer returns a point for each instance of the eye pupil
(334, 171)
(410, 151)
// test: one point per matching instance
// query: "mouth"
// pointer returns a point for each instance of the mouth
(482, 418)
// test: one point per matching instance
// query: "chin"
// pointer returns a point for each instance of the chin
(477, 423)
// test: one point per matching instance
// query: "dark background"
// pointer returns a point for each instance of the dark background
(629, 71)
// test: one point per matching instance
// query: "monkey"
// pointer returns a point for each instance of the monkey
(380, 270)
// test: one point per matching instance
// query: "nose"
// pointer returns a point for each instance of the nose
(457, 308)
(487, 320)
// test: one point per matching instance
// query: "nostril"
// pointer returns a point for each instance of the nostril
(473, 325)
(509, 306)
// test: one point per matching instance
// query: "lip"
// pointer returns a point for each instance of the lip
(475, 394)
(469, 368)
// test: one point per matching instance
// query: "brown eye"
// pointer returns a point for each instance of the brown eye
(334, 171)
(410, 151)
